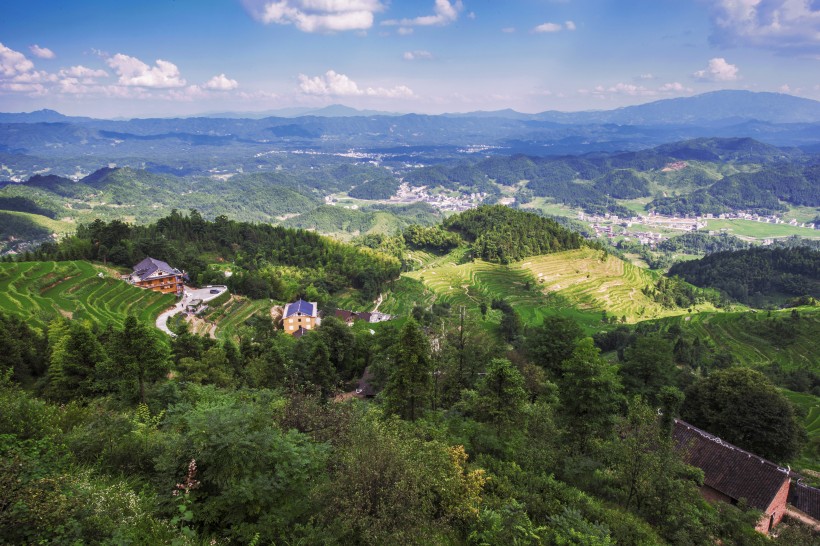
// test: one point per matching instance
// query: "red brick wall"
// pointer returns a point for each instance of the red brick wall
(777, 507)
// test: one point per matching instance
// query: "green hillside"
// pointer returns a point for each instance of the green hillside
(761, 339)
(577, 283)
(40, 291)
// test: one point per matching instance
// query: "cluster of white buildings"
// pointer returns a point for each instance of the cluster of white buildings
(415, 194)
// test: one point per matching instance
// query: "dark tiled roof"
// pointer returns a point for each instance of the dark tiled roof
(364, 315)
(299, 306)
(150, 265)
(344, 315)
(300, 332)
(805, 498)
(729, 469)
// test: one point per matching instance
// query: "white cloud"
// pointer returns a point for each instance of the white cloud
(41, 52)
(785, 88)
(674, 87)
(508, 30)
(13, 62)
(718, 71)
(417, 55)
(316, 15)
(334, 84)
(548, 27)
(782, 25)
(134, 72)
(444, 13)
(221, 83)
(82, 73)
(569, 25)
(630, 89)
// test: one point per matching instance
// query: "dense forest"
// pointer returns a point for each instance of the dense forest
(108, 435)
(501, 234)
(747, 275)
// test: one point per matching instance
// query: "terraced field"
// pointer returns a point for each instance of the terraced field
(594, 280)
(40, 291)
(577, 283)
(230, 316)
(753, 340)
(810, 405)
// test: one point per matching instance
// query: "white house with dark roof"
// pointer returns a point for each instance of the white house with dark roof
(300, 315)
(158, 276)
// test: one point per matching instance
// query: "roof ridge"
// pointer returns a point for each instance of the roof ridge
(731, 446)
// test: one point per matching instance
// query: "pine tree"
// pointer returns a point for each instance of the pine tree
(409, 384)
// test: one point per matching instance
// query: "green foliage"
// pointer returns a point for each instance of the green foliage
(408, 389)
(431, 238)
(387, 485)
(742, 407)
(255, 478)
(256, 250)
(768, 272)
(590, 392)
(72, 372)
(500, 397)
(137, 356)
(501, 234)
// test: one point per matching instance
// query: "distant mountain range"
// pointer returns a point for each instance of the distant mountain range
(47, 141)
(728, 107)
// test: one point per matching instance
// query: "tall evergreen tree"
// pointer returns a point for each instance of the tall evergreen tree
(136, 356)
(74, 359)
(409, 384)
(590, 393)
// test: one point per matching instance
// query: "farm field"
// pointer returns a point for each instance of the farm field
(590, 279)
(579, 284)
(41, 291)
(760, 230)
(229, 317)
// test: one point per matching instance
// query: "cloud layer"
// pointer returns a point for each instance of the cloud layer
(780, 25)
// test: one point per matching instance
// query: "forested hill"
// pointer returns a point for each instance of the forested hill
(254, 251)
(504, 235)
(756, 273)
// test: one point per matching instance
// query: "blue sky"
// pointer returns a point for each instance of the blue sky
(108, 58)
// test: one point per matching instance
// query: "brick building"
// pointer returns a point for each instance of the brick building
(731, 474)
(300, 316)
(158, 276)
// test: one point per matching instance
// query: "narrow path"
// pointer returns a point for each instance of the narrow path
(378, 302)
(162, 319)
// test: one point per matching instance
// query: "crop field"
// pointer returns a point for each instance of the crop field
(756, 339)
(580, 284)
(40, 291)
(233, 314)
(760, 230)
(592, 280)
